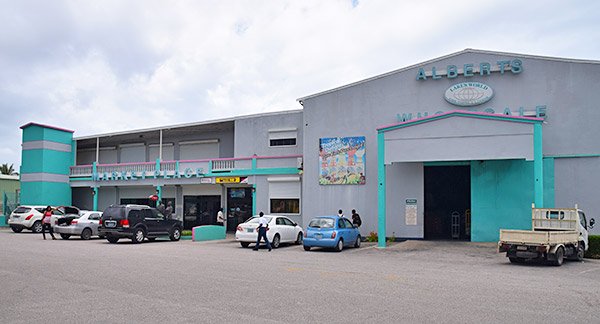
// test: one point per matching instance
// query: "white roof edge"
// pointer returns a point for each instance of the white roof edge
(467, 50)
(9, 177)
(207, 122)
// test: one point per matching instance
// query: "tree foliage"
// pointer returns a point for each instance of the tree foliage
(7, 169)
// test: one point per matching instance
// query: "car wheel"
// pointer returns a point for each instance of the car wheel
(276, 241)
(175, 234)
(580, 251)
(65, 236)
(245, 244)
(339, 246)
(306, 248)
(357, 243)
(86, 234)
(112, 239)
(37, 227)
(299, 239)
(559, 257)
(138, 235)
(16, 229)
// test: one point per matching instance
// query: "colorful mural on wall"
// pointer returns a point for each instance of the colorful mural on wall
(342, 160)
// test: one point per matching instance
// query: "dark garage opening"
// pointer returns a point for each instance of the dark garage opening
(447, 202)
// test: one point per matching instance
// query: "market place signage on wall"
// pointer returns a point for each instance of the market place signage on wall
(157, 174)
(515, 66)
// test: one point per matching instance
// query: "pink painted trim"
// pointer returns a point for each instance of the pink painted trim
(452, 112)
(279, 157)
(121, 164)
(46, 126)
(82, 166)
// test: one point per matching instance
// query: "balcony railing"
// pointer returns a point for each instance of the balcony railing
(221, 166)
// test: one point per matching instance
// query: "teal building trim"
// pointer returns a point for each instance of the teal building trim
(38, 132)
(501, 195)
(45, 193)
(95, 199)
(253, 199)
(381, 187)
(538, 165)
(208, 233)
(46, 161)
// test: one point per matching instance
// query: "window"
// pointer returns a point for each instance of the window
(280, 221)
(283, 137)
(347, 223)
(285, 206)
(288, 222)
(133, 214)
(94, 216)
(321, 223)
(582, 220)
(341, 223)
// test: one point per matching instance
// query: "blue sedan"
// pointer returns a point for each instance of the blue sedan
(331, 232)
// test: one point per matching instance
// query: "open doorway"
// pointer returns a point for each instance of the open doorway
(447, 202)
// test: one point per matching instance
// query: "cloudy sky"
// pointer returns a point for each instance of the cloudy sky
(104, 66)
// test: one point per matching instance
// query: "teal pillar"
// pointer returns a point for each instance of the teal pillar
(95, 193)
(538, 166)
(381, 199)
(253, 199)
(210, 167)
(253, 164)
(159, 194)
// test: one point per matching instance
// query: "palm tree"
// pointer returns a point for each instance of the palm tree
(6, 169)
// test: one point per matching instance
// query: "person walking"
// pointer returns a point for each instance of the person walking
(356, 218)
(46, 223)
(168, 210)
(340, 213)
(263, 227)
(220, 217)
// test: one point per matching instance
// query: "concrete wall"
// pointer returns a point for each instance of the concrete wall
(404, 181)
(576, 182)
(252, 134)
(566, 88)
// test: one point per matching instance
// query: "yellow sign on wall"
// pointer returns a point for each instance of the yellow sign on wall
(227, 180)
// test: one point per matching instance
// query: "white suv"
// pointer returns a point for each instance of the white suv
(30, 217)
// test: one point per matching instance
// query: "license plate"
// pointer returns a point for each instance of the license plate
(16, 216)
(249, 230)
(521, 248)
(318, 236)
(110, 223)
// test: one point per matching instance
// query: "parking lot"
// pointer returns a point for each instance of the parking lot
(218, 281)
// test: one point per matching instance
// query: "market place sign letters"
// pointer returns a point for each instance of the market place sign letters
(132, 175)
(515, 66)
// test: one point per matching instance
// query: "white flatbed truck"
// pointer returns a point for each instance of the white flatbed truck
(557, 233)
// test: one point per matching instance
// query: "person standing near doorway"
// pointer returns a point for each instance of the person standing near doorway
(46, 225)
(220, 217)
(356, 218)
(340, 213)
(263, 227)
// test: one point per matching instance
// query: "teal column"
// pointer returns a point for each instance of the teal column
(210, 167)
(538, 166)
(253, 164)
(95, 189)
(253, 199)
(159, 194)
(381, 200)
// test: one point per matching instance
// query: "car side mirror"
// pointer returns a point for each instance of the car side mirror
(295, 224)
(592, 222)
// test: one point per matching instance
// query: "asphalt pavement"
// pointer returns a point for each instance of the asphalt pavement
(93, 281)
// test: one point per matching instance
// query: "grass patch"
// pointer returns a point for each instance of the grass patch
(186, 233)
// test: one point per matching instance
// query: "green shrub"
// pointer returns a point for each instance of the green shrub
(594, 248)
(186, 233)
(372, 237)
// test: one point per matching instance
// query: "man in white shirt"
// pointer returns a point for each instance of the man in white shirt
(263, 226)
(220, 217)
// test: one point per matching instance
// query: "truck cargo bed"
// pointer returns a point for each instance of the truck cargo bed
(538, 237)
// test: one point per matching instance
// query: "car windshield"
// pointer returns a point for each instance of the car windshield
(321, 223)
(22, 210)
(114, 212)
(254, 220)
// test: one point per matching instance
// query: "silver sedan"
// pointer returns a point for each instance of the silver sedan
(86, 225)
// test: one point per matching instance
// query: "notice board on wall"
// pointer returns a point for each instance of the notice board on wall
(410, 212)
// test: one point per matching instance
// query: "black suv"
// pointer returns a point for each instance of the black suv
(137, 222)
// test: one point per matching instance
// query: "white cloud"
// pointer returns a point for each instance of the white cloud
(105, 66)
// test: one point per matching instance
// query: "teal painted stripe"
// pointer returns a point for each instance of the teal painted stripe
(447, 163)
(81, 179)
(253, 199)
(248, 172)
(45, 193)
(538, 166)
(571, 156)
(38, 133)
(430, 119)
(46, 161)
(381, 198)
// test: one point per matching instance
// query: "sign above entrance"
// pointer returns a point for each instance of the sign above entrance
(515, 66)
(228, 180)
(466, 94)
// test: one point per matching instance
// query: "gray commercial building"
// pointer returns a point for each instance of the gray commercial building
(452, 148)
